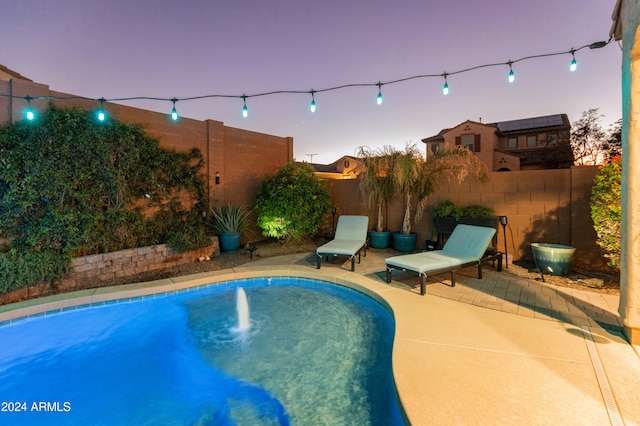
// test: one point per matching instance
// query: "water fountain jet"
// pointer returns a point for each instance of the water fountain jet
(242, 308)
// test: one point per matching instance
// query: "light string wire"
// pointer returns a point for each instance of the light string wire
(379, 84)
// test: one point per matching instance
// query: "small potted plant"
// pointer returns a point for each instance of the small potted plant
(445, 216)
(229, 222)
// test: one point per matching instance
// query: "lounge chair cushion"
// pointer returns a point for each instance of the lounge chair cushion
(341, 247)
(468, 240)
(428, 261)
(466, 246)
(350, 238)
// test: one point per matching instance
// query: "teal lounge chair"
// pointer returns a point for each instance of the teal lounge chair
(466, 246)
(350, 239)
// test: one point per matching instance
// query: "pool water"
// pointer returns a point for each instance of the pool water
(315, 353)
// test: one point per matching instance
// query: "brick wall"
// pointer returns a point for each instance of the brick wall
(90, 271)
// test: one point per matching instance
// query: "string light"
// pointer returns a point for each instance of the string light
(445, 88)
(312, 107)
(101, 115)
(29, 112)
(174, 112)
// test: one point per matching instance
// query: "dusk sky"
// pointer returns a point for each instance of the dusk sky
(167, 49)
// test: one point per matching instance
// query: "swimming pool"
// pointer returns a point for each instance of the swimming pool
(314, 353)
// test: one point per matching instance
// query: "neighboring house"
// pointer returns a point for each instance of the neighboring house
(344, 168)
(525, 144)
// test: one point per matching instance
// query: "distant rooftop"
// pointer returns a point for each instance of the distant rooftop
(531, 123)
(523, 125)
(6, 74)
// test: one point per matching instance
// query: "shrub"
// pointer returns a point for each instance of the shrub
(478, 212)
(446, 208)
(606, 210)
(19, 269)
(292, 203)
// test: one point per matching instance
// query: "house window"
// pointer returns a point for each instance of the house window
(434, 147)
(513, 143)
(552, 139)
(532, 141)
(471, 142)
(346, 164)
(467, 141)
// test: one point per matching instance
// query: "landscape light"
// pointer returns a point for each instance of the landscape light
(174, 112)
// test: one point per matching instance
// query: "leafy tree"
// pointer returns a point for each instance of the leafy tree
(588, 138)
(613, 143)
(293, 203)
(606, 210)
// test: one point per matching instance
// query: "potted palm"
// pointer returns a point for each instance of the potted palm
(416, 176)
(377, 186)
(229, 222)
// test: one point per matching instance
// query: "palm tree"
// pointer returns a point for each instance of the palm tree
(376, 177)
(415, 175)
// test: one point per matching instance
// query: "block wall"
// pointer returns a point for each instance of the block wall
(549, 206)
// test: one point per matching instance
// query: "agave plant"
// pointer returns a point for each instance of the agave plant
(229, 219)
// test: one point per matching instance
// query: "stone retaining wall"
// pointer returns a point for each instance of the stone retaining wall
(91, 271)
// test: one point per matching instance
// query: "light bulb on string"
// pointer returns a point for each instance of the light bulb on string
(312, 107)
(445, 88)
(379, 99)
(29, 112)
(245, 111)
(174, 112)
(512, 75)
(574, 64)
(100, 113)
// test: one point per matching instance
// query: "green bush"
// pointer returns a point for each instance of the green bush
(73, 186)
(293, 203)
(19, 269)
(478, 212)
(446, 208)
(606, 210)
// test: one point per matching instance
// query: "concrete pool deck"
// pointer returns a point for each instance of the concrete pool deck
(496, 350)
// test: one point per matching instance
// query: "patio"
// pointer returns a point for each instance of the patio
(500, 350)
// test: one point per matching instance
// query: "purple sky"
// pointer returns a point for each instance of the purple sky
(179, 49)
